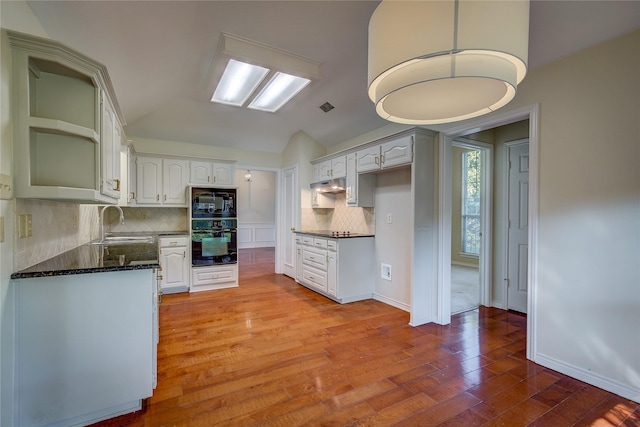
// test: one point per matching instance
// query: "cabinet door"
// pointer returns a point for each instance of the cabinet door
(332, 273)
(223, 173)
(200, 172)
(148, 180)
(175, 268)
(298, 263)
(339, 167)
(174, 182)
(397, 152)
(110, 152)
(324, 170)
(368, 159)
(352, 179)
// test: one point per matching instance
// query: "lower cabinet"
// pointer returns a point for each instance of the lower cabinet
(214, 277)
(337, 268)
(174, 262)
(85, 346)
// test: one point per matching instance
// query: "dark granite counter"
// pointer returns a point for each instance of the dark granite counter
(333, 234)
(92, 258)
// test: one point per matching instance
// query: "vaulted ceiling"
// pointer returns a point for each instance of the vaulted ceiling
(159, 53)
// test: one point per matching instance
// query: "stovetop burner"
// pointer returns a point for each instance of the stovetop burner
(340, 233)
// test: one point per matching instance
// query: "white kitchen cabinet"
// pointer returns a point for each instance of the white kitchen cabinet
(396, 152)
(174, 182)
(64, 138)
(110, 142)
(174, 264)
(214, 277)
(298, 258)
(206, 173)
(360, 188)
(84, 346)
(339, 268)
(330, 169)
(161, 182)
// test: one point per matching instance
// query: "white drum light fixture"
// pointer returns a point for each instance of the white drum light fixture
(442, 61)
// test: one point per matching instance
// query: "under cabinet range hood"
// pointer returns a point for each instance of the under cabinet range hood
(337, 185)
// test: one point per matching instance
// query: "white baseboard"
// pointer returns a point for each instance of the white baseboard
(392, 302)
(588, 377)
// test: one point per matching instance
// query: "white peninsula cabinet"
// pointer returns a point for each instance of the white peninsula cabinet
(85, 346)
(338, 268)
(173, 256)
(67, 124)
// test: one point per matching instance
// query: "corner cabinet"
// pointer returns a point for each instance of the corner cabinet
(67, 124)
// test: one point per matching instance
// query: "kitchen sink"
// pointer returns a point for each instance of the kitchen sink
(124, 240)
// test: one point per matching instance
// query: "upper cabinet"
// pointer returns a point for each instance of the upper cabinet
(206, 173)
(330, 169)
(161, 182)
(67, 124)
(389, 154)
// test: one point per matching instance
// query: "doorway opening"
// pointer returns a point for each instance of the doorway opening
(471, 201)
(494, 291)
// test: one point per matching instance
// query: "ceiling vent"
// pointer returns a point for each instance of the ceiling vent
(326, 107)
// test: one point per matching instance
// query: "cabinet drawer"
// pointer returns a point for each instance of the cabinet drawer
(307, 240)
(174, 241)
(315, 278)
(315, 258)
(298, 239)
(320, 243)
(332, 245)
(210, 275)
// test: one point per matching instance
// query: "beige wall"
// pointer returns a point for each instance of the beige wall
(209, 152)
(587, 291)
(300, 150)
(256, 199)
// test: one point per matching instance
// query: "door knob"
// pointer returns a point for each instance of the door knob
(293, 229)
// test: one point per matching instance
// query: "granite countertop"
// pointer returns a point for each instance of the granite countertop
(332, 234)
(92, 258)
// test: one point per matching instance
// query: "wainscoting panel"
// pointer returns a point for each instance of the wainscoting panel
(256, 235)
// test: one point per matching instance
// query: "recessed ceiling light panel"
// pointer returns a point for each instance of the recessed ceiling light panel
(278, 92)
(238, 82)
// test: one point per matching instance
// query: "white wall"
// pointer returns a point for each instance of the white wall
(256, 209)
(393, 241)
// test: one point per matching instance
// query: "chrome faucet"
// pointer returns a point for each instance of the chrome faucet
(102, 219)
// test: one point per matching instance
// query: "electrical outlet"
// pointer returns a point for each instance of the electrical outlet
(389, 218)
(385, 271)
(1, 229)
(28, 225)
(74, 221)
(143, 216)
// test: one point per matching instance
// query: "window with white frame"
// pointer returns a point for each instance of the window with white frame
(471, 203)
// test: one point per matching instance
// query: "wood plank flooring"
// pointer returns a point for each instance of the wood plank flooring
(272, 353)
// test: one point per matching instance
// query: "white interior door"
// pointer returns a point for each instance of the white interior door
(518, 227)
(289, 217)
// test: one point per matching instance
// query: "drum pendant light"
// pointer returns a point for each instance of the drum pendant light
(446, 60)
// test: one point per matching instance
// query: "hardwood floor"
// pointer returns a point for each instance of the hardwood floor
(273, 353)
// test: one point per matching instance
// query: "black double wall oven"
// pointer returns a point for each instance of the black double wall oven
(214, 225)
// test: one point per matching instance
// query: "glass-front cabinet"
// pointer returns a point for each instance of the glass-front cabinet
(67, 124)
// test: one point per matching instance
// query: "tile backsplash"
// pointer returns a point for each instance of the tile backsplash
(147, 220)
(56, 228)
(340, 218)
